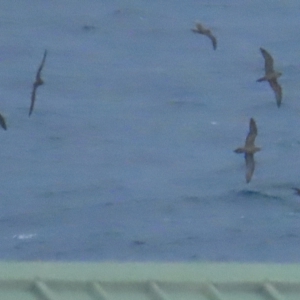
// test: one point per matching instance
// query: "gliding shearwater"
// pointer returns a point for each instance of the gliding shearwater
(38, 81)
(271, 76)
(202, 30)
(249, 149)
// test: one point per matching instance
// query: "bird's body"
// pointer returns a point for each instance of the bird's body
(38, 81)
(271, 76)
(202, 30)
(249, 149)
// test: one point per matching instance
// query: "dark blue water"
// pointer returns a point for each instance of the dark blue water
(128, 154)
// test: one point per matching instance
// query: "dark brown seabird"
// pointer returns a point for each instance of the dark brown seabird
(202, 30)
(2, 122)
(249, 149)
(38, 81)
(271, 76)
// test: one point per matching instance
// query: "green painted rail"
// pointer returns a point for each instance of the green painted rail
(157, 281)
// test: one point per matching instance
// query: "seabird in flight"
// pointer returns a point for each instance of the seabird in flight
(271, 76)
(249, 149)
(38, 81)
(202, 30)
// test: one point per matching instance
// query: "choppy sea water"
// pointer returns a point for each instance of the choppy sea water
(128, 154)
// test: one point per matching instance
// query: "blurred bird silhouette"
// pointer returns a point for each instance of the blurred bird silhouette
(2, 122)
(38, 81)
(249, 149)
(202, 30)
(271, 76)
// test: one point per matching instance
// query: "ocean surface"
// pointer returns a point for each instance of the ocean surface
(128, 155)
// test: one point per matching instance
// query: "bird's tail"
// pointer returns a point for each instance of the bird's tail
(261, 79)
(239, 150)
